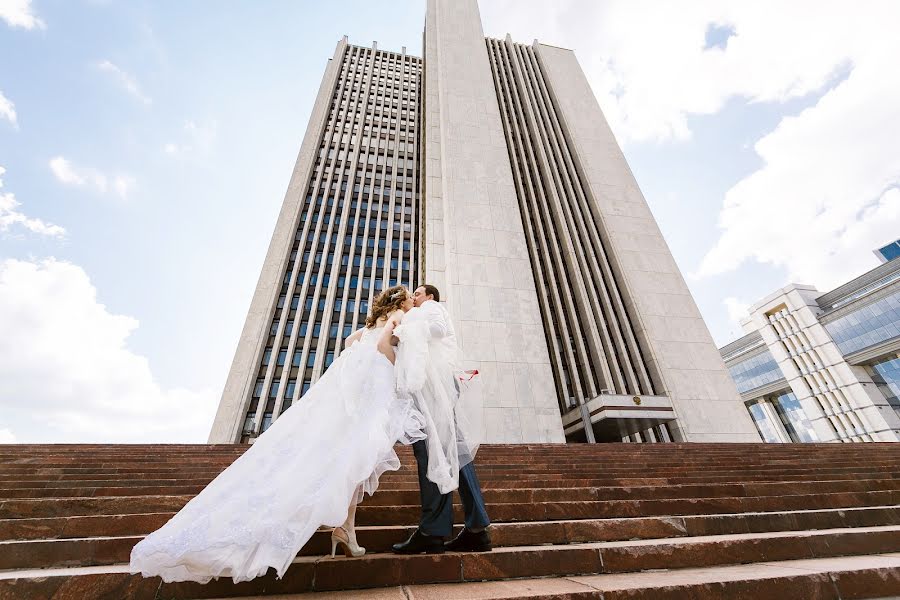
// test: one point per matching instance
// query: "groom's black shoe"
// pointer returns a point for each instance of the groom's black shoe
(468, 541)
(419, 542)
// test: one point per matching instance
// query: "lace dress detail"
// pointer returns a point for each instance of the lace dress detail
(326, 451)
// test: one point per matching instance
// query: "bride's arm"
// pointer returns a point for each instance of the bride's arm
(385, 342)
(395, 319)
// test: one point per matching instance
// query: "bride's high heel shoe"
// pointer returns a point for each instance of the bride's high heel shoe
(340, 536)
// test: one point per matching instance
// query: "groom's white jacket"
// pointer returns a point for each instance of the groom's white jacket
(427, 369)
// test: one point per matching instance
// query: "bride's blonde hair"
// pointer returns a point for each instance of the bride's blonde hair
(387, 302)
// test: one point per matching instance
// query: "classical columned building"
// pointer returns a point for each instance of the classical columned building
(484, 167)
(817, 367)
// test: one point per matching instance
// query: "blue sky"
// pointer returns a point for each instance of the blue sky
(161, 136)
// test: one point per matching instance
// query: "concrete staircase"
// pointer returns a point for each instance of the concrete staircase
(606, 521)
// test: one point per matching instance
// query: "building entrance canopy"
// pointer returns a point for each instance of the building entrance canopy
(614, 417)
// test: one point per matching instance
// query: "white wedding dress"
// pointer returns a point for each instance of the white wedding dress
(322, 454)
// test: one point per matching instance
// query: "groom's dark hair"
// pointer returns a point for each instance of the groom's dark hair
(430, 290)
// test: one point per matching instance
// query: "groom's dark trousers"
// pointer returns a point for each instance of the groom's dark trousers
(437, 508)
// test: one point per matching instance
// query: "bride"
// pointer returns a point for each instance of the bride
(310, 468)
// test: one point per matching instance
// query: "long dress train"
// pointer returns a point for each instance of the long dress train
(316, 459)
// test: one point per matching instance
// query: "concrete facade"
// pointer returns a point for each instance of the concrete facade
(485, 168)
(475, 249)
(676, 345)
(347, 230)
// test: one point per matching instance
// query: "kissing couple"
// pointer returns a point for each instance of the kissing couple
(398, 379)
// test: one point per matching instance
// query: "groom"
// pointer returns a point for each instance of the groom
(436, 522)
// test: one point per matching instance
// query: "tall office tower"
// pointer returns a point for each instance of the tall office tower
(346, 230)
(522, 210)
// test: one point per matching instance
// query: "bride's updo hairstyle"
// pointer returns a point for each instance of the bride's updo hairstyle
(387, 302)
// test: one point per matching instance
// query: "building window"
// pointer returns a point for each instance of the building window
(267, 420)
(886, 375)
(258, 388)
(248, 423)
(755, 372)
(311, 359)
(867, 326)
(282, 356)
(763, 423)
(267, 355)
(792, 416)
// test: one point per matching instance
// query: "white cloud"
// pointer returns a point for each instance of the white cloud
(826, 193)
(64, 171)
(649, 66)
(122, 185)
(69, 174)
(11, 216)
(8, 109)
(18, 13)
(7, 436)
(67, 374)
(198, 139)
(829, 190)
(125, 79)
(737, 311)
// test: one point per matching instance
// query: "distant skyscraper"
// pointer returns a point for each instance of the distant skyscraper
(819, 367)
(487, 169)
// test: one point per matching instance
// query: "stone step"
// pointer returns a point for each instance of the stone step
(141, 524)
(536, 466)
(549, 511)
(100, 546)
(845, 577)
(610, 453)
(491, 449)
(31, 508)
(407, 478)
(410, 483)
(515, 495)
(313, 573)
(614, 454)
(608, 512)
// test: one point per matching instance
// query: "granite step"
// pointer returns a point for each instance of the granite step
(841, 578)
(520, 495)
(531, 511)
(570, 521)
(409, 481)
(315, 573)
(101, 546)
(563, 531)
